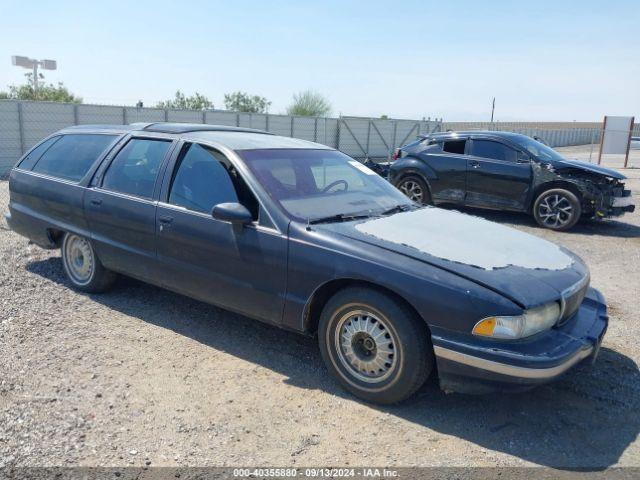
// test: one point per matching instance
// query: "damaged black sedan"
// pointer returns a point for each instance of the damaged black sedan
(508, 171)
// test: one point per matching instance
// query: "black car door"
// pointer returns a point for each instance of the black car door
(448, 161)
(498, 175)
(120, 207)
(241, 268)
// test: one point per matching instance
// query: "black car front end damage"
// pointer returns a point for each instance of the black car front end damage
(601, 195)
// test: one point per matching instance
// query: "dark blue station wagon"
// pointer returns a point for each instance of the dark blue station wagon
(303, 237)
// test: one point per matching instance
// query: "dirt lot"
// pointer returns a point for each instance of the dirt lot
(141, 375)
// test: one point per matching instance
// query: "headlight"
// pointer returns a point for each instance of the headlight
(529, 323)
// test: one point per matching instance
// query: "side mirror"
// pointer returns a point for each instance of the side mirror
(232, 212)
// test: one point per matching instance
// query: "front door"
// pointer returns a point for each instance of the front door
(498, 176)
(238, 268)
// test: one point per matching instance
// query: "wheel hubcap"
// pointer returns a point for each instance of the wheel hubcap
(412, 190)
(79, 259)
(555, 211)
(366, 346)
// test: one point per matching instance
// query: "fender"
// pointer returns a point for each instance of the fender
(409, 164)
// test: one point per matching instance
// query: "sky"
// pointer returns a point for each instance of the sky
(542, 60)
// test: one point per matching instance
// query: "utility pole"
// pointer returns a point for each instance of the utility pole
(493, 108)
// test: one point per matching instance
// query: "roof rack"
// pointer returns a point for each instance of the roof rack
(164, 127)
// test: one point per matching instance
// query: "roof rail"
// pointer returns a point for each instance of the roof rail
(167, 127)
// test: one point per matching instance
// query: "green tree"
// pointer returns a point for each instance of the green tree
(47, 92)
(309, 104)
(384, 117)
(182, 102)
(243, 102)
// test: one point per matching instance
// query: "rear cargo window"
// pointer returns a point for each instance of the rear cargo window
(34, 155)
(72, 155)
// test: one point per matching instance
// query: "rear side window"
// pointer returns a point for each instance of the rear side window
(34, 155)
(71, 156)
(135, 168)
(454, 146)
(494, 150)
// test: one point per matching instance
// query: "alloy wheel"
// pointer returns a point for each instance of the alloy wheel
(412, 189)
(555, 211)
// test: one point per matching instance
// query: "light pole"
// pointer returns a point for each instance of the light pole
(26, 62)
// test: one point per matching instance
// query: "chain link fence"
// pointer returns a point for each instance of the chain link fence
(23, 124)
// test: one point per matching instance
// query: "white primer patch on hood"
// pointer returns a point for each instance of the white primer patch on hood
(467, 239)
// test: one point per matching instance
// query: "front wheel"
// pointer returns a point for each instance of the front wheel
(82, 266)
(374, 345)
(557, 209)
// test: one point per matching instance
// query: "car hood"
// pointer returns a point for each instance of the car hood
(524, 268)
(588, 167)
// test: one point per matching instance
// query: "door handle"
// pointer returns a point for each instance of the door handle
(96, 201)
(475, 164)
(165, 220)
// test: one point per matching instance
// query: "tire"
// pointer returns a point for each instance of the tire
(82, 266)
(415, 188)
(397, 341)
(557, 209)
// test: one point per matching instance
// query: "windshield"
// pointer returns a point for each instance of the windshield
(314, 184)
(539, 150)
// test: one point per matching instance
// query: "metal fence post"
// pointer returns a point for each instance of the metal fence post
(315, 130)
(75, 114)
(292, 117)
(368, 136)
(166, 114)
(204, 116)
(395, 131)
(21, 128)
(267, 122)
(124, 115)
(338, 132)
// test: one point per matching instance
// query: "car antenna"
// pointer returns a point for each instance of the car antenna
(308, 224)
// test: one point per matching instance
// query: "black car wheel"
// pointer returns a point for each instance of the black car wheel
(374, 345)
(82, 266)
(557, 209)
(415, 188)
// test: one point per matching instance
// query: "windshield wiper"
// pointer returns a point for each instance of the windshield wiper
(339, 217)
(397, 209)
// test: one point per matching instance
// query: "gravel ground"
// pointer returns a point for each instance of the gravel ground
(143, 376)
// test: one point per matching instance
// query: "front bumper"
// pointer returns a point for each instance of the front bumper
(480, 366)
(620, 203)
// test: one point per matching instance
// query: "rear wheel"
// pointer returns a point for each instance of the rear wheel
(374, 345)
(557, 209)
(82, 266)
(415, 188)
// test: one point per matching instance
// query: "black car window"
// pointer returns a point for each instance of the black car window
(204, 178)
(454, 146)
(494, 150)
(34, 155)
(71, 156)
(136, 166)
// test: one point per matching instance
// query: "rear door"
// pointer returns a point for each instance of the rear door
(241, 268)
(498, 175)
(121, 204)
(448, 161)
